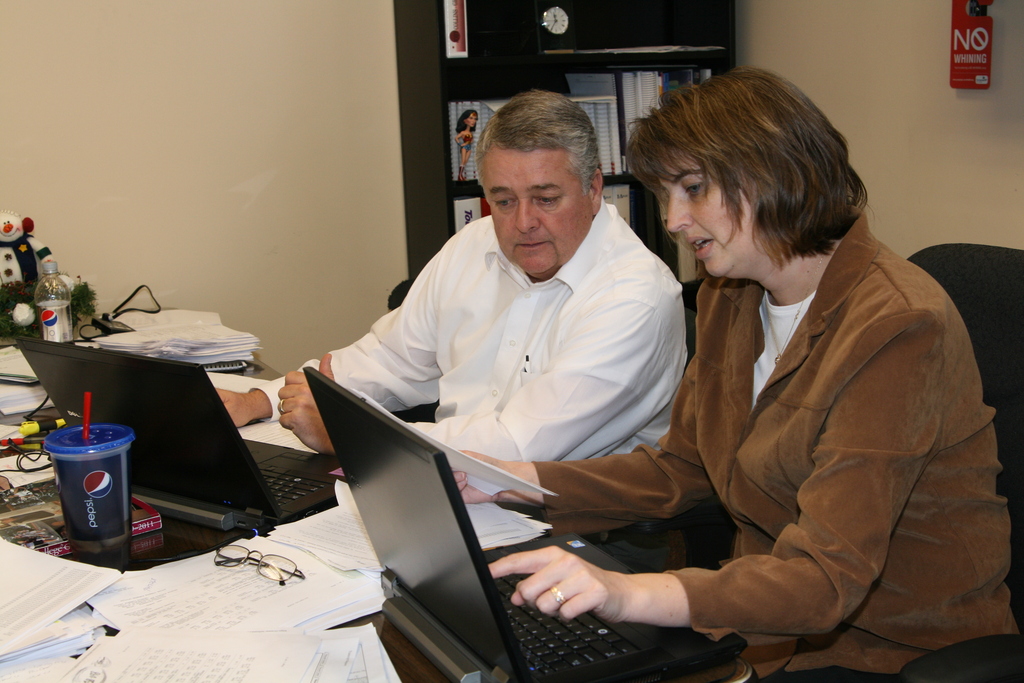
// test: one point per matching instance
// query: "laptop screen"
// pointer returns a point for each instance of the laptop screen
(185, 441)
(397, 481)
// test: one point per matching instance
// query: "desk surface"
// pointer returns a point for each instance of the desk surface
(177, 537)
(181, 537)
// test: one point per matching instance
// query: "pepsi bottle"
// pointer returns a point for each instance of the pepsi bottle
(53, 299)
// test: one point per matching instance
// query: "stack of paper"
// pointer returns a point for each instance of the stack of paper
(191, 336)
(21, 398)
(39, 590)
(495, 526)
(20, 391)
(14, 367)
(70, 635)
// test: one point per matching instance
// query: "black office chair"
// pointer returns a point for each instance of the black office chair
(987, 285)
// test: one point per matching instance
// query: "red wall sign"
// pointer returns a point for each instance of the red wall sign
(970, 56)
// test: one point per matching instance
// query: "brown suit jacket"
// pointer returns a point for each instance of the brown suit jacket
(862, 481)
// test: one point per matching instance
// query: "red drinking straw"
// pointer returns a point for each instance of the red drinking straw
(86, 413)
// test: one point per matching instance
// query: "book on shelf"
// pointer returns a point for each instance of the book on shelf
(586, 83)
(30, 515)
(621, 199)
(455, 40)
(620, 195)
(467, 210)
(633, 94)
(613, 99)
(679, 78)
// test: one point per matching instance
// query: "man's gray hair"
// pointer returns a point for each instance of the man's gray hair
(538, 119)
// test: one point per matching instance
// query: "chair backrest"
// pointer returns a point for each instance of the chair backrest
(987, 285)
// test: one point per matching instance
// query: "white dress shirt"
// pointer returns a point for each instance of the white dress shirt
(579, 366)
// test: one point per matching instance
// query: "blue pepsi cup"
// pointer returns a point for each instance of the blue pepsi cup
(94, 480)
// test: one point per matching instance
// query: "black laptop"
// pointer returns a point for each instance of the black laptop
(439, 590)
(188, 459)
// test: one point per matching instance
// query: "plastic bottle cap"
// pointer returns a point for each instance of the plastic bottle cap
(49, 267)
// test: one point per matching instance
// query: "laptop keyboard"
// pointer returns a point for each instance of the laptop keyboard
(550, 644)
(287, 487)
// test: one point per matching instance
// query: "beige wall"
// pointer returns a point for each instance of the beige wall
(940, 165)
(235, 156)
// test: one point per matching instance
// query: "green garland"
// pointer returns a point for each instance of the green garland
(83, 306)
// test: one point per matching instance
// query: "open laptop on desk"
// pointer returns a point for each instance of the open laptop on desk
(440, 591)
(188, 459)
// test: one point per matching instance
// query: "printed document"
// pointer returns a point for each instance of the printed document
(39, 589)
(172, 656)
(197, 594)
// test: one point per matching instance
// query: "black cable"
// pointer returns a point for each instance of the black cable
(81, 332)
(32, 456)
(29, 415)
(118, 310)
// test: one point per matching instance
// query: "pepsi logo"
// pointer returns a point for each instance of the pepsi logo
(48, 317)
(98, 484)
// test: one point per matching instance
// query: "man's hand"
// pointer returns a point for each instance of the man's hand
(244, 408)
(299, 412)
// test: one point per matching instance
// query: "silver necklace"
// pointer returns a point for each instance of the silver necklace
(779, 348)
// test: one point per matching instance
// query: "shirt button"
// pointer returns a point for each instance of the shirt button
(527, 295)
(494, 392)
(512, 342)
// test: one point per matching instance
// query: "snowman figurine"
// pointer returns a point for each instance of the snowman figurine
(20, 253)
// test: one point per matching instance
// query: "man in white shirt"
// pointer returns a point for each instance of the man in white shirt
(547, 330)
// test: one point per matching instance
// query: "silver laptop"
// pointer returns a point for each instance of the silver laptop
(440, 593)
(188, 459)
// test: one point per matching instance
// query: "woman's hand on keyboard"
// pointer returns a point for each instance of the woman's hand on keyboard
(564, 585)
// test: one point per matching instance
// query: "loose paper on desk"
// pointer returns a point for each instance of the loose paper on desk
(336, 536)
(197, 594)
(335, 658)
(172, 656)
(37, 670)
(39, 589)
(371, 664)
(482, 475)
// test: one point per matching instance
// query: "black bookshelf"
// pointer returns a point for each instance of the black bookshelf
(427, 81)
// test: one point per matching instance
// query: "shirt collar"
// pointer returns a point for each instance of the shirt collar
(572, 272)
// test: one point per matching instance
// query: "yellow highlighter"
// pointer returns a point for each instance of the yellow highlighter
(30, 428)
